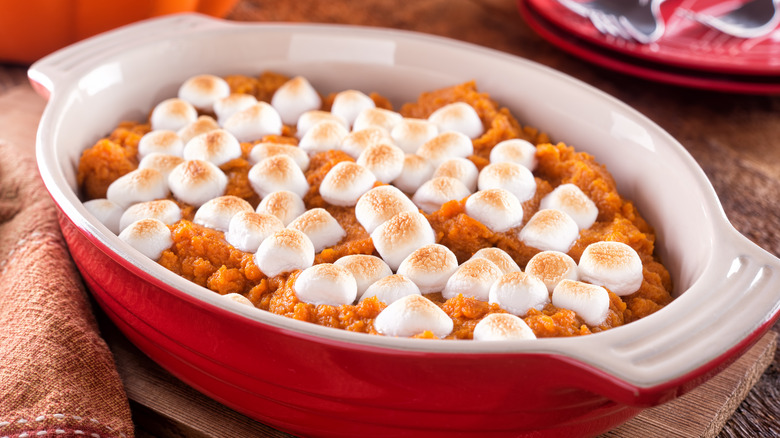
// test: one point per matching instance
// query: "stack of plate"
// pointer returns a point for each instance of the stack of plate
(688, 54)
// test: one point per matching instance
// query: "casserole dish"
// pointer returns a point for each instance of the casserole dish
(316, 381)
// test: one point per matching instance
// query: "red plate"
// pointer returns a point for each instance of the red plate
(685, 43)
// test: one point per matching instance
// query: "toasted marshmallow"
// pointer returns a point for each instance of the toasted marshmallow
(172, 115)
(311, 118)
(323, 229)
(412, 315)
(515, 150)
(278, 173)
(367, 269)
(400, 236)
(472, 279)
(409, 134)
(550, 230)
(202, 125)
(379, 204)
(261, 151)
(461, 169)
(107, 212)
(589, 301)
(349, 103)
(164, 163)
(197, 181)
(502, 326)
(435, 192)
(357, 141)
(512, 177)
(286, 250)
(218, 146)
(518, 292)
(139, 185)
(203, 90)
(294, 98)
(384, 160)
(164, 210)
(613, 265)
(377, 117)
(283, 204)
(248, 229)
(551, 267)
(429, 267)
(254, 122)
(499, 257)
(497, 209)
(458, 117)
(240, 299)
(345, 183)
(149, 236)
(570, 199)
(323, 136)
(416, 171)
(216, 213)
(444, 146)
(161, 141)
(325, 283)
(391, 288)
(227, 106)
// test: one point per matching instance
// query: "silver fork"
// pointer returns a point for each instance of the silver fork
(638, 20)
(750, 20)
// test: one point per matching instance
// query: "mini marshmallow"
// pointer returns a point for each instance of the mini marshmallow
(240, 299)
(107, 212)
(161, 141)
(323, 136)
(164, 210)
(286, 250)
(573, 201)
(391, 288)
(254, 122)
(499, 257)
(345, 183)
(378, 117)
(275, 173)
(445, 146)
(518, 292)
(162, 162)
(379, 204)
(323, 229)
(248, 229)
(172, 115)
(139, 185)
(515, 150)
(235, 102)
(458, 117)
(197, 181)
(590, 302)
(311, 118)
(461, 169)
(384, 160)
(509, 176)
(613, 265)
(429, 267)
(502, 326)
(551, 267)
(395, 239)
(357, 141)
(349, 103)
(412, 315)
(435, 192)
(261, 151)
(203, 90)
(497, 209)
(149, 236)
(202, 125)
(294, 98)
(216, 213)
(283, 204)
(218, 146)
(472, 279)
(367, 269)
(409, 134)
(415, 172)
(550, 230)
(325, 283)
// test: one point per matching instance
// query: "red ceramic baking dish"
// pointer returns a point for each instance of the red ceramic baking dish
(316, 381)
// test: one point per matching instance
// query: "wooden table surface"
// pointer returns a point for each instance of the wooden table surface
(734, 138)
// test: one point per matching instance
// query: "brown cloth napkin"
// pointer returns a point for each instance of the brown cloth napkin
(57, 375)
